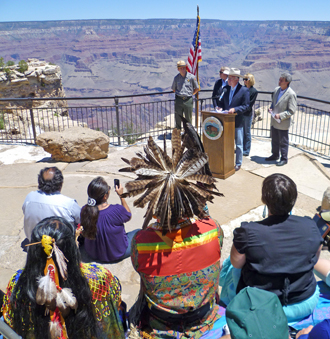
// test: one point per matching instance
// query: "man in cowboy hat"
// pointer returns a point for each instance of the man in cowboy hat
(184, 86)
(236, 99)
(219, 86)
(284, 105)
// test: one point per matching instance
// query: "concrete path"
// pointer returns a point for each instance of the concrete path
(20, 165)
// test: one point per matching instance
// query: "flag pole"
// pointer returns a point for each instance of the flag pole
(197, 94)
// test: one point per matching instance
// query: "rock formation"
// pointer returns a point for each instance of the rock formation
(41, 80)
(75, 144)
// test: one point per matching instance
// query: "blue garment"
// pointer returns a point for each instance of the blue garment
(247, 121)
(229, 278)
(38, 205)
(232, 91)
(282, 91)
(296, 312)
(320, 331)
(239, 135)
(240, 102)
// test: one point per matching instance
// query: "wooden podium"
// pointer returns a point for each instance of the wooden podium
(221, 151)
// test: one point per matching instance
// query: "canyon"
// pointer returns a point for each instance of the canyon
(125, 57)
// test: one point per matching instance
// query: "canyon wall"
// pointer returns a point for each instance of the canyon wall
(124, 57)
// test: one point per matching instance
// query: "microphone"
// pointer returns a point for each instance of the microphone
(223, 93)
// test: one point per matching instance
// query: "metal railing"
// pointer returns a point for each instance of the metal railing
(128, 119)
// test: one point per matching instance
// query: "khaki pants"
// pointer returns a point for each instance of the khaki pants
(182, 108)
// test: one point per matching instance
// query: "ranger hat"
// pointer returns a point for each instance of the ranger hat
(180, 63)
(255, 313)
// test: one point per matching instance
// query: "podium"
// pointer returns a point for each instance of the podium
(219, 149)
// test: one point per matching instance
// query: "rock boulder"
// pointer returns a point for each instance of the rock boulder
(75, 144)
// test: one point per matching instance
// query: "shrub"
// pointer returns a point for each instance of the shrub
(23, 66)
(8, 71)
(2, 121)
(2, 63)
(128, 133)
(10, 63)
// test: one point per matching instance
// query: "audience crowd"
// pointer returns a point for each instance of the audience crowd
(268, 284)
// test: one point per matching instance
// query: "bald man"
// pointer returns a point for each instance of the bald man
(48, 201)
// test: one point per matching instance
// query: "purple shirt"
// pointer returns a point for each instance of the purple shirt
(111, 239)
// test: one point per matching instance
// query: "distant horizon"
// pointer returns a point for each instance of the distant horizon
(202, 19)
(73, 10)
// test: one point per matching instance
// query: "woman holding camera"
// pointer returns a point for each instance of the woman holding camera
(103, 223)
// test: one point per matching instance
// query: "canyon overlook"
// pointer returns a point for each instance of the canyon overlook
(124, 57)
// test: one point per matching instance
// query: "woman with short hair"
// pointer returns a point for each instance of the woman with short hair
(56, 296)
(249, 82)
(278, 253)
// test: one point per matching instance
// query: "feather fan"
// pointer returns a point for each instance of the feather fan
(173, 188)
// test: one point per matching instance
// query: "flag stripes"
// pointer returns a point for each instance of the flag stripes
(195, 53)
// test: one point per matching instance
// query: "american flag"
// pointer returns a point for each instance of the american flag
(195, 53)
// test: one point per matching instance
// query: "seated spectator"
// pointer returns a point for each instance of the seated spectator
(178, 255)
(104, 231)
(270, 252)
(48, 201)
(56, 296)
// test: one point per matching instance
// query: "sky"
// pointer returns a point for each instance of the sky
(37, 10)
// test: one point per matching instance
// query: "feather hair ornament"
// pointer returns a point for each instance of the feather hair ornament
(61, 261)
(55, 329)
(173, 187)
(47, 291)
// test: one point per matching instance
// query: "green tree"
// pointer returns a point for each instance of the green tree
(2, 63)
(10, 63)
(23, 66)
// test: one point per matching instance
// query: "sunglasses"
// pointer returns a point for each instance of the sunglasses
(245, 79)
(221, 72)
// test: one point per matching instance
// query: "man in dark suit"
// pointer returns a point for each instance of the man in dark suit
(219, 86)
(236, 99)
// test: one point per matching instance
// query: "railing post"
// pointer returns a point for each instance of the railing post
(196, 110)
(32, 122)
(201, 109)
(117, 118)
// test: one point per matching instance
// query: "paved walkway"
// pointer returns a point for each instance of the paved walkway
(20, 165)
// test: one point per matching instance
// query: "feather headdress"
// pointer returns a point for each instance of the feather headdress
(173, 187)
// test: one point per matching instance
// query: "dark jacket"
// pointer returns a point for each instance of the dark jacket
(240, 101)
(276, 261)
(253, 98)
(217, 91)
